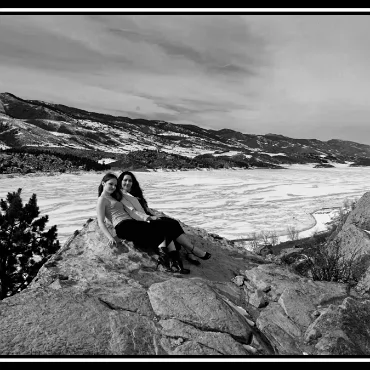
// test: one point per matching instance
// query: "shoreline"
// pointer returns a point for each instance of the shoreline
(81, 172)
(37, 174)
(149, 170)
(295, 166)
(322, 218)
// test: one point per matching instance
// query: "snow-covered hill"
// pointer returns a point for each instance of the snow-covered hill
(27, 123)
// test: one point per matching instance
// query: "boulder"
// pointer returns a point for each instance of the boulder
(342, 329)
(353, 238)
(263, 250)
(91, 299)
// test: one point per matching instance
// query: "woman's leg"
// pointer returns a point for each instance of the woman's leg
(141, 233)
(174, 260)
(171, 246)
(169, 226)
(173, 229)
(147, 234)
(190, 247)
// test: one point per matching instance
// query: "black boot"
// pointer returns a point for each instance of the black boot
(176, 262)
(164, 259)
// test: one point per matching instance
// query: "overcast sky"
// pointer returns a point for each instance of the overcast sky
(302, 76)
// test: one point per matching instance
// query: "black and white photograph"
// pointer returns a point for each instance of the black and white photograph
(184, 185)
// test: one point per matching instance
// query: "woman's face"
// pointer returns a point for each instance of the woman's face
(127, 183)
(110, 186)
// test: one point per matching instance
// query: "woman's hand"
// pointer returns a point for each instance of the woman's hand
(112, 242)
(153, 218)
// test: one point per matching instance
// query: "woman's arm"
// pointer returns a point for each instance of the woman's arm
(100, 210)
(147, 210)
(133, 212)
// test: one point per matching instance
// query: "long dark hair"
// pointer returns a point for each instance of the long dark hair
(135, 188)
(117, 193)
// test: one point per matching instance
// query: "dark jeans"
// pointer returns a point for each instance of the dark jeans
(149, 235)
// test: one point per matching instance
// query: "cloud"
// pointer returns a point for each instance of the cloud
(298, 75)
(198, 41)
(142, 50)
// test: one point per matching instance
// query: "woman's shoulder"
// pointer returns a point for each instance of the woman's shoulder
(126, 194)
(103, 200)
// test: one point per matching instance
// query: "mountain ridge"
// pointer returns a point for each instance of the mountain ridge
(38, 124)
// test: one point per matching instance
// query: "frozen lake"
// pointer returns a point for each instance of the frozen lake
(230, 203)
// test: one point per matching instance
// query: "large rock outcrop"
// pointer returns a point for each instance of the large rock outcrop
(353, 238)
(354, 234)
(90, 299)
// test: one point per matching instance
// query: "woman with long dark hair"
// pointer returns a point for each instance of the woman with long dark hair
(134, 201)
(135, 227)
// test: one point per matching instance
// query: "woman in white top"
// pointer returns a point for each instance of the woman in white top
(130, 225)
(134, 201)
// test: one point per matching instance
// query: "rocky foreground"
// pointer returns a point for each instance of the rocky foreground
(89, 299)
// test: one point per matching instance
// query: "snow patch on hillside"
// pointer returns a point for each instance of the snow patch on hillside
(340, 165)
(5, 116)
(228, 154)
(273, 154)
(172, 133)
(106, 160)
(60, 134)
(3, 146)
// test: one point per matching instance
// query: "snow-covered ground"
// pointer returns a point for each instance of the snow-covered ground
(230, 203)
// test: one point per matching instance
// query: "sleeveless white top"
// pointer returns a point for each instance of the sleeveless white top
(116, 212)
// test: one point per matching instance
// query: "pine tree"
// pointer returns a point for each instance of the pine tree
(24, 245)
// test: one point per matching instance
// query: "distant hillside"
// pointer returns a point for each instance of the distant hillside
(153, 144)
(30, 159)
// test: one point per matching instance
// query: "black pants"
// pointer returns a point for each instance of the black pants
(149, 235)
